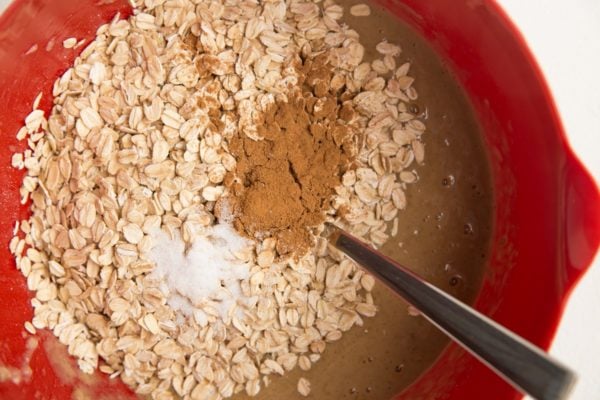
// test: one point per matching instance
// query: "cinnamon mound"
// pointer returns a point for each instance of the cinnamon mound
(283, 184)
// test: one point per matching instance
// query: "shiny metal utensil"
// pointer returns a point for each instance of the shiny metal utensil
(519, 362)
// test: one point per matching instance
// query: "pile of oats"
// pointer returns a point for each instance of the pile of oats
(138, 140)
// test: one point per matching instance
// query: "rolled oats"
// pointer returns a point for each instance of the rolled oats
(360, 10)
(304, 387)
(138, 140)
(69, 43)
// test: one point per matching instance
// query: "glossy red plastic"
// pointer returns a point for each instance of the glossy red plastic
(547, 212)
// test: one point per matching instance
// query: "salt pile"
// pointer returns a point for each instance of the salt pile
(207, 273)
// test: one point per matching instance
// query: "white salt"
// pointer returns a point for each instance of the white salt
(208, 273)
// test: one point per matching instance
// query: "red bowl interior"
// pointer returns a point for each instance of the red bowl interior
(547, 216)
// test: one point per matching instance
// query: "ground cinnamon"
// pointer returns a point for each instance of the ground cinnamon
(283, 183)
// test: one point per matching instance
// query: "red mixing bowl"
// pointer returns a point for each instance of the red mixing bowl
(547, 216)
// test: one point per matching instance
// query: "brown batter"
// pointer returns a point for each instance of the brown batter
(391, 350)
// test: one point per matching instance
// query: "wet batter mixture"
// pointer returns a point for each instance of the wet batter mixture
(444, 235)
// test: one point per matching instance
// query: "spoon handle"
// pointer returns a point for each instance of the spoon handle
(519, 362)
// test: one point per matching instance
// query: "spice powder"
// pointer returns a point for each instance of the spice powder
(283, 184)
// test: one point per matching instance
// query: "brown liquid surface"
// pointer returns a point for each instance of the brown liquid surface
(444, 235)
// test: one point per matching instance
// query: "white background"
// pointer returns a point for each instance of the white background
(565, 37)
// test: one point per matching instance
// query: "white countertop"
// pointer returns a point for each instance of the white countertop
(564, 38)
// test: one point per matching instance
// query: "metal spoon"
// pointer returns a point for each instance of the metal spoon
(519, 362)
